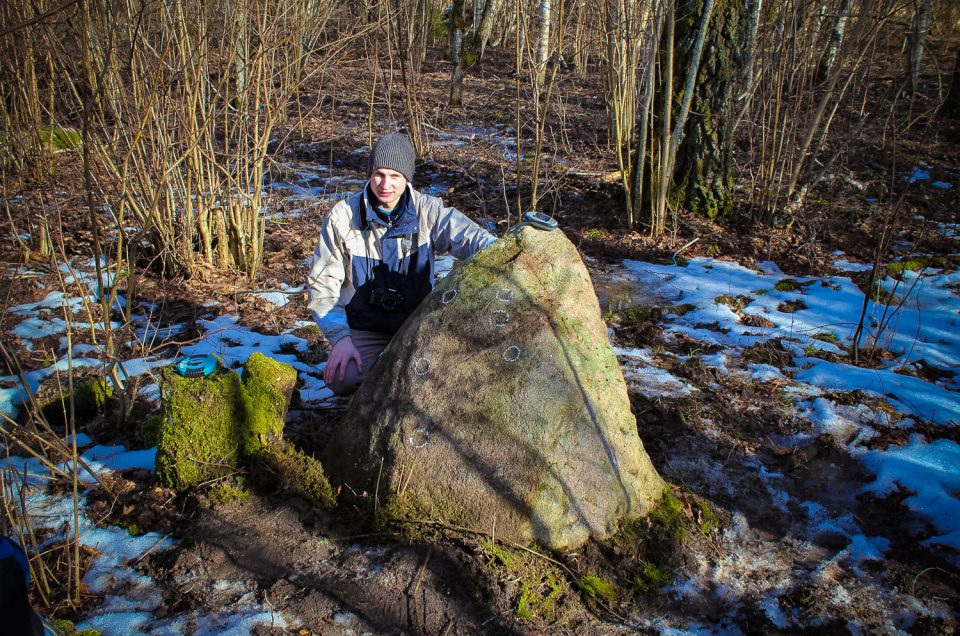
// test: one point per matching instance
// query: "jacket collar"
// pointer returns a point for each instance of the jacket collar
(407, 222)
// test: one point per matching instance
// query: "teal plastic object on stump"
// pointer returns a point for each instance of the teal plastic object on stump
(198, 366)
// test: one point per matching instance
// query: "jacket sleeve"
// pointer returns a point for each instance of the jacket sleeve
(325, 281)
(455, 233)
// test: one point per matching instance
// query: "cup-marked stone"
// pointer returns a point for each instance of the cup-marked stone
(539, 447)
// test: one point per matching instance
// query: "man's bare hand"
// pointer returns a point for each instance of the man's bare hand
(341, 355)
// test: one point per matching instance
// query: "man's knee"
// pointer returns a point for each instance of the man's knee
(349, 383)
(369, 345)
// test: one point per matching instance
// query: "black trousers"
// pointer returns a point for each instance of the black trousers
(18, 618)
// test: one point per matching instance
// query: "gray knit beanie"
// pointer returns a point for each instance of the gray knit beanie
(394, 152)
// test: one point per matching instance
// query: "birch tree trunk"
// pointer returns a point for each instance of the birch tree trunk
(456, 54)
(622, 58)
(921, 26)
(543, 46)
(749, 58)
(491, 11)
(836, 38)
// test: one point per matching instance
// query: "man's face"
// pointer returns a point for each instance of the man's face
(388, 186)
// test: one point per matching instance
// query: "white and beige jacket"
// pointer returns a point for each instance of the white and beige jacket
(370, 275)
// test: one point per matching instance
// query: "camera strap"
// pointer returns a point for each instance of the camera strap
(409, 247)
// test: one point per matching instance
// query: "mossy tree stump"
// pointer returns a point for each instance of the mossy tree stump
(91, 392)
(213, 425)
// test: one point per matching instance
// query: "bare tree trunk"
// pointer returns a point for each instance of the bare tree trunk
(239, 12)
(696, 156)
(951, 106)
(627, 24)
(836, 38)
(491, 11)
(622, 59)
(658, 159)
(580, 41)
(645, 119)
(543, 46)
(456, 53)
(750, 53)
(410, 73)
(921, 26)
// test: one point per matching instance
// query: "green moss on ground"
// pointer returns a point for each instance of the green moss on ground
(736, 303)
(92, 395)
(646, 552)
(706, 517)
(789, 284)
(289, 469)
(679, 310)
(826, 336)
(598, 588)
(228, 494)
(669, 517)
(916, 264)
(541, 585)
(639, 325)
(538, 599)
(596, 235)
(502, 555)
(59, 139)
(67, 628)
(642, 313)
(649, 578)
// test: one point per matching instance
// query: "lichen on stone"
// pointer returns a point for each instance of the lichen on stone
(538, 443)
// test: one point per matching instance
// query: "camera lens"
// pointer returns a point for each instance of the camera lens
(386, 299)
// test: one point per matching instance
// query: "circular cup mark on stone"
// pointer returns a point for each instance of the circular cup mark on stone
(421, 367)
(511, 353)
(500, 318)
(449, 296)
(419, 438)
(504, 295)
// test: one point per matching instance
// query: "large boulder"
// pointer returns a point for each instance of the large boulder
(501, 407)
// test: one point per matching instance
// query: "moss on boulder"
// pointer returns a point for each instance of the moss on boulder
(212, 425)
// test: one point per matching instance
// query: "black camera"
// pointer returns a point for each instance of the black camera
(386, 299)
